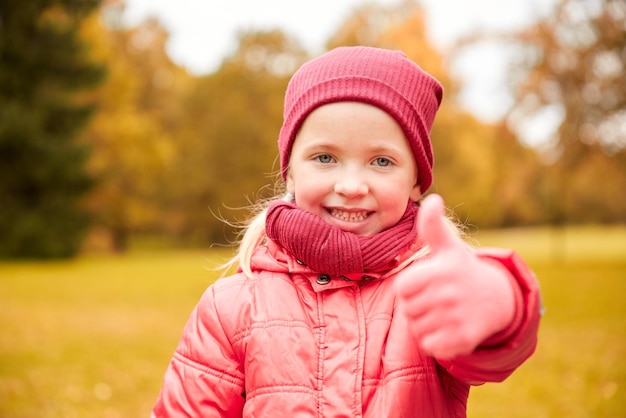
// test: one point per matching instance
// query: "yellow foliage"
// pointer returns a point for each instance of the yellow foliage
(131, 148)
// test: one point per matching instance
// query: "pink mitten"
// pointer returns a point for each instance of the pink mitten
(453, 299)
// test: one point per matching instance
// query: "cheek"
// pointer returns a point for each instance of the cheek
(309, 194)
(394, 207)
(393, 201)
(290, 183)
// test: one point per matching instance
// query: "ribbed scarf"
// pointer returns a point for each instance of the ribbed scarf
(327, 249)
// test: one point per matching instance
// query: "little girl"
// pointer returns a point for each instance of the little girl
(352, 298)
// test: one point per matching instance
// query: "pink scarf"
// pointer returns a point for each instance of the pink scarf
(327, 249)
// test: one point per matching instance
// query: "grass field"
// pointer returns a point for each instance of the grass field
(92, 337)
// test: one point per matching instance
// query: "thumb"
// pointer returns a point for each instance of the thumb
(432, 225)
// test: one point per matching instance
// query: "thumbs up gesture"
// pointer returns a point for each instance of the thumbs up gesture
(453, 299)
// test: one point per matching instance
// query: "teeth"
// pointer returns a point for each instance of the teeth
(348, 216)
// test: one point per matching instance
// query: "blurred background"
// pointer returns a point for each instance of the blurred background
(106, 140)
(135, 134)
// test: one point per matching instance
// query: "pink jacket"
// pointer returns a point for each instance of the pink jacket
(306, 345)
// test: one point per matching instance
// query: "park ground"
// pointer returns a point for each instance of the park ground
(91, 337)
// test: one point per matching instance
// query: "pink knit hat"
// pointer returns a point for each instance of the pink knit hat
(383, 78)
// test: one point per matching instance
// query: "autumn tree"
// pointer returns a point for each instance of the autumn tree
(228, 138)
(132, 133)
(470, 156)
(572, 67)
(45, 68)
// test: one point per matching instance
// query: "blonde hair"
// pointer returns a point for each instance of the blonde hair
(253, 236)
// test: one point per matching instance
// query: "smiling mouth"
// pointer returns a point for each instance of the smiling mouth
(348, 216)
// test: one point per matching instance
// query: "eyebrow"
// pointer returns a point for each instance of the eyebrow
(379, 146)
(385, 149)
(320, 143)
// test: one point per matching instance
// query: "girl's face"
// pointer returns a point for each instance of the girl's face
(351, 165)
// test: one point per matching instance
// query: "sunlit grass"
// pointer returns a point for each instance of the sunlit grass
(92, 337)
(567, 244)
(579, 368)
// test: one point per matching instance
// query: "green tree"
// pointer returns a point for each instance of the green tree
(44, 69)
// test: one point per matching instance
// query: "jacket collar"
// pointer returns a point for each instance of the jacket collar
(271, 257)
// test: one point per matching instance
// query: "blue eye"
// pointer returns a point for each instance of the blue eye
(324, 158)
(382, 162)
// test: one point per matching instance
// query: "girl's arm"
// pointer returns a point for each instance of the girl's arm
(476, 312)
(204, 377)
(501, 353)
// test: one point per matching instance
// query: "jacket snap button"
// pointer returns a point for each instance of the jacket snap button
(323, 279)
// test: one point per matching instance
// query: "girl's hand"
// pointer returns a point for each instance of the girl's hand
(453, 299)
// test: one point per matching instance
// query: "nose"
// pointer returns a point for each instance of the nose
(351, 184)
